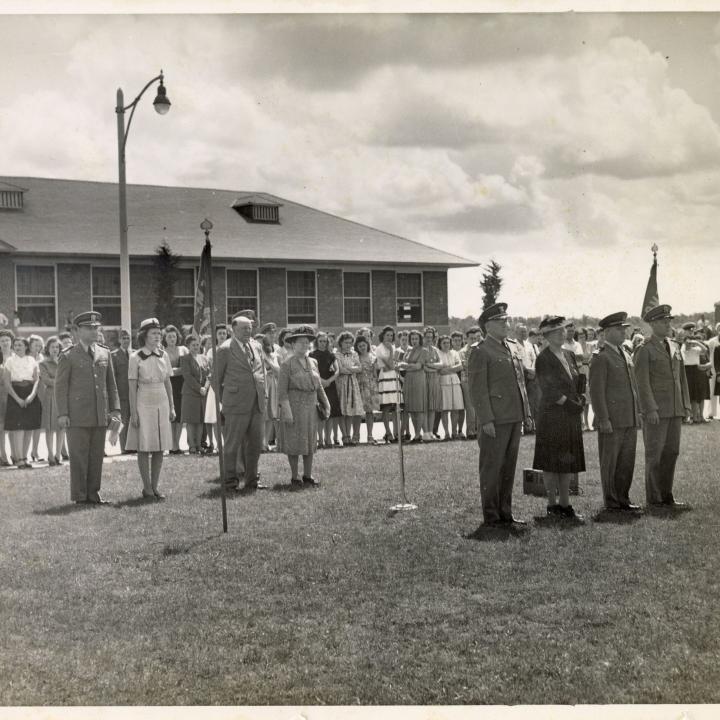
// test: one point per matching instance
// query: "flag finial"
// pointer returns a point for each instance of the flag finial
(207, 226)
(654, 249)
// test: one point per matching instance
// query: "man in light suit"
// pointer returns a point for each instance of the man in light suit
(86, 397)
(664, 402)
(241, 382)
(614, 397)
(496, 378)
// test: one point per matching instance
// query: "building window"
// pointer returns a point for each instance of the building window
(301, 301)
(241, 291)
(36, 305)
(409, 298)
(185, 295)
(356, 298)
(106, 294)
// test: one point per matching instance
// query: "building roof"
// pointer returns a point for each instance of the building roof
(75, 217)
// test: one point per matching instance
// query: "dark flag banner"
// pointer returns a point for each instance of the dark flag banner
(201, 322)
(651, 294)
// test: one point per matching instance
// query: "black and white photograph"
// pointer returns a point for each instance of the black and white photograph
(361, 358)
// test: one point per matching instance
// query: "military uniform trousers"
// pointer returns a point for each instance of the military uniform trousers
(662, 447)
(86, 447)
(498, 458)
(617, 464)
(242, 444)
(469, 409)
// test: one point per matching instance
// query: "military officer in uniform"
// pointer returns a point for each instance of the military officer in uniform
(497, 390)
(664, 402)
(86, 396)
(614, 397)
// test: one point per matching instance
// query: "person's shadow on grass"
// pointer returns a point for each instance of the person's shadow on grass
(68, 509)
(494, 533)
(547, 521)
(616, 517)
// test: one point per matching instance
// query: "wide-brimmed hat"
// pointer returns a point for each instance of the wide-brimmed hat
(550, 323)
(304, 331)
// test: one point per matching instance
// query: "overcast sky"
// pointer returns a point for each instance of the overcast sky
(563, 146)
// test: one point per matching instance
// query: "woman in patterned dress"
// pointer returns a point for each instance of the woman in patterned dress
(54, 434)
(389, 382)
(351, 404)
(151, 405)
(434, 393)
(415, 387)
(452, 402)
(174, 350)
(368, 382)
(301, 399)
(272, 372)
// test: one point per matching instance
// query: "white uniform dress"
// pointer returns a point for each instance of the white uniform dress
(153, 407)
(210, 410)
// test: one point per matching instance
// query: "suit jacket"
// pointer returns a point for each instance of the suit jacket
(496, 381)
(662, 385)
(613, 388)
(120, 360)
(85, 387)
(195, 372)
(240, 383)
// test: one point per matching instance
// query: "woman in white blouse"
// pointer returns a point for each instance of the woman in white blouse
(151, 405)
(23, 414)
(452, 400)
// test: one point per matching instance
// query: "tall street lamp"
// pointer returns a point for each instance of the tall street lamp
(162, 105)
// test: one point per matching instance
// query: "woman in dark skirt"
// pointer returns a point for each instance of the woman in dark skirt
(24, 412)
(171, 341)
(195, 369)
(559, 450)
(329, 371)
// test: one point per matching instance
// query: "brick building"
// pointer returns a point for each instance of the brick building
(291, 263)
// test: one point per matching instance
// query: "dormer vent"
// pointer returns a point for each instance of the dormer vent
(257, 209)
(11, 197)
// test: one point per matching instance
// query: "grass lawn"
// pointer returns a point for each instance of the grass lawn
(321, 597)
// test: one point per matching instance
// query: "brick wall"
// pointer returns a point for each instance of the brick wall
(384, 298)
(273, 306)
(330, 298)
(435, 298)
(74, 290)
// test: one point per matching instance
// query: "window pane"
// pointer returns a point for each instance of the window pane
(110, 313)
(357, 284)
(409, 310)
(409, 285)
(36, 315)
(236, 304)
(241, 283)
(186, 311)
(301, 283)
(34, 280)
(301, 310)
(185, 282)
(357, 311)
(106, 281)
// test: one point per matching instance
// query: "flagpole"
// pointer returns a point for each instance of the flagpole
(405, 504)
(206, 225)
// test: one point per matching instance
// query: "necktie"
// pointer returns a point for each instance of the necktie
(249, 352)
(90, 352)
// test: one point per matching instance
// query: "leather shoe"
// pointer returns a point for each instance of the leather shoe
(310, 481)
(512, 521)
(255, 485)
(99, 501)
(676, 505)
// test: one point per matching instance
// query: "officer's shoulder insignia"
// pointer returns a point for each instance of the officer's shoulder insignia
(66, 350)
(510, 340)
(102, 346)
(476, 344)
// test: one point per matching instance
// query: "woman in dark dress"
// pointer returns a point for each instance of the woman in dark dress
(175, 351)
(329, 371)
(559, 450)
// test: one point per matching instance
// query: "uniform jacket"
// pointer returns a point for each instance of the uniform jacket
(613, 388)
(120, 360)
(662, 385)
(85, 388)
(496, 382)
(239, 381)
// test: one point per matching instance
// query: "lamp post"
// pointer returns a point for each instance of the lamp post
(162, 105)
